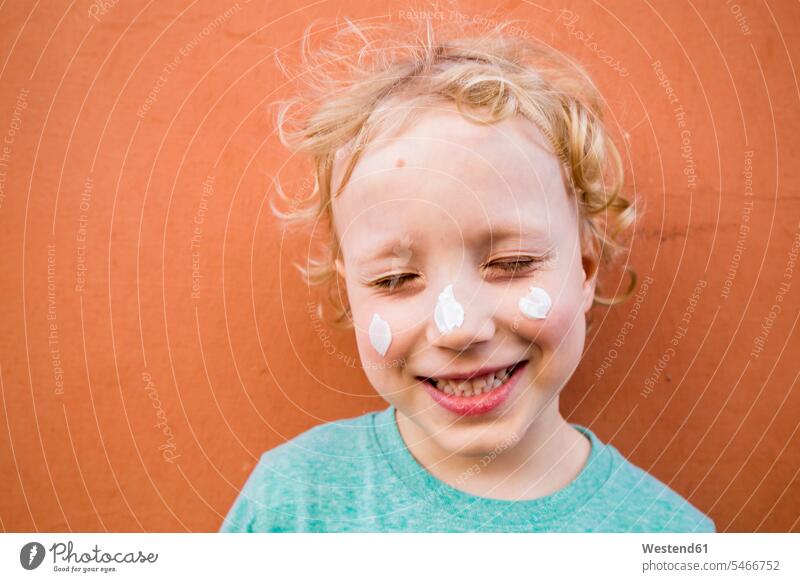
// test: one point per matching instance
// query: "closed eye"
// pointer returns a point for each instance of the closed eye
(513, 267)
(516, 265)
(394, 281)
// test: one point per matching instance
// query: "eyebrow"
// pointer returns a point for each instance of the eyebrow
(529, 233)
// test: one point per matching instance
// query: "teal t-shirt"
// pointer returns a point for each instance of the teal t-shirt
(357, 475)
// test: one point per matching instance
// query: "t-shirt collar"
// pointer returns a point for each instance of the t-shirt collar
(468, 507)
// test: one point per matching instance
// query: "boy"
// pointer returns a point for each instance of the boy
(472, 194)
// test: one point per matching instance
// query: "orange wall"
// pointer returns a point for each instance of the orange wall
(242, 366)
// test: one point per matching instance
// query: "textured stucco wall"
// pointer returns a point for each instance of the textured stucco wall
(108, 196)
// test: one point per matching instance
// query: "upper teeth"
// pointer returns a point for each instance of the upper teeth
(475, 386)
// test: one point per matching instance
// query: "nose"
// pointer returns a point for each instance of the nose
(478, 325)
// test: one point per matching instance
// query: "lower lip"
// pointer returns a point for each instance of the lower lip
(475, 405)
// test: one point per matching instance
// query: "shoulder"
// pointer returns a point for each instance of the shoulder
(324, 451)
(339, 438)
(640, 502)
(306, 468)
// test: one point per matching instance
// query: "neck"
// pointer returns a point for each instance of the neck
(548, 456)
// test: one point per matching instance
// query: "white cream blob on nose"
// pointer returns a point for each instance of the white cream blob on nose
(536, 303)
(380, 334)
(449, 314)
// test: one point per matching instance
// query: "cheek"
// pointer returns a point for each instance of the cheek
(386, 373)
(560, 325)
(382, 336)
(374, 326)
(556, 330)
(381, 371)
(395, 327)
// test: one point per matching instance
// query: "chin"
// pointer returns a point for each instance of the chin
(478, 440)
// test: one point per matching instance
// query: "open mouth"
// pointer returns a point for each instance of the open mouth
(475, 386)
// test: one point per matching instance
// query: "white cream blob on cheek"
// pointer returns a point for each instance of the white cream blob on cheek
(380, 334)
(536, 304)
(449, 314)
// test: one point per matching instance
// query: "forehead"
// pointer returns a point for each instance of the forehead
(444, 170)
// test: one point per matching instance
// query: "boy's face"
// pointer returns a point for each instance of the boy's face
(450, 202)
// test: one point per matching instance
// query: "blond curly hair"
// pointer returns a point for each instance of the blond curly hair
(490, 75)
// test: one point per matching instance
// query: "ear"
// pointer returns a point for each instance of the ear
(590, 270)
